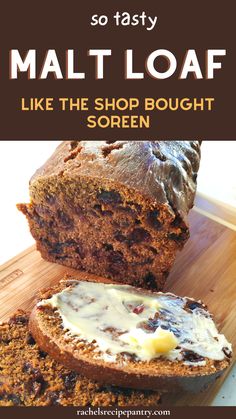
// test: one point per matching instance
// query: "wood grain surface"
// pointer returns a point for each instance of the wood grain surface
(205, 269)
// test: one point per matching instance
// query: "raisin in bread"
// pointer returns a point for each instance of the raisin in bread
(121, 335)
(29, 377)
(115, 209)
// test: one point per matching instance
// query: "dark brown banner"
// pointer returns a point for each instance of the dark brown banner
(117, 70)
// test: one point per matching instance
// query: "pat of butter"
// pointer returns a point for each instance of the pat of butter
(161, 342)
(151, 344)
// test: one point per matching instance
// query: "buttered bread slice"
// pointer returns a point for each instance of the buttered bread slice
(125, 336)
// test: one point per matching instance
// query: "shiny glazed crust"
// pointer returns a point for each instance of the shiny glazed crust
(165, 171)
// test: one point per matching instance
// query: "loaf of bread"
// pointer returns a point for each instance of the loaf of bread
(29, 377)
(118, 209)
(125, 336)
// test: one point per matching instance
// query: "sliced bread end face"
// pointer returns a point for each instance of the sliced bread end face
(125, 369)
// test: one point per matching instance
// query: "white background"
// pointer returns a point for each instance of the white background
(19, 160)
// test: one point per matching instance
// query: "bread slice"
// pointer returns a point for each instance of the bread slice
(124, 336)
(29, 377)
(118, 209)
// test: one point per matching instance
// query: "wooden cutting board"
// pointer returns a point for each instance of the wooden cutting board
(205, 269)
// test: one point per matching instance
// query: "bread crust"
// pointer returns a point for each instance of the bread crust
(145, 377)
